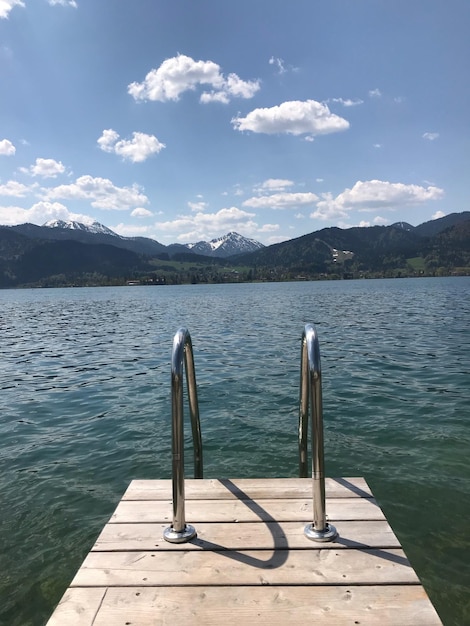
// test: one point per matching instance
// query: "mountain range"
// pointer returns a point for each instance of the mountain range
(63, 253)
(60, 230)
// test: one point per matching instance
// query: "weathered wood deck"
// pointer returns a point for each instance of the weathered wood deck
(250, 563)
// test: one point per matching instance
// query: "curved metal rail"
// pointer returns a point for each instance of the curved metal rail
(179, 531)
(311, 394)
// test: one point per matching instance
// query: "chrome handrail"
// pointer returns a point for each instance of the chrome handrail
(311, 394)
(179, 531)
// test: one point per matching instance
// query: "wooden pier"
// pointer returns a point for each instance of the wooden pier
(250, 563)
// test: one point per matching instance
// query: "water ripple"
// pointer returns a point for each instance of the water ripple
(85, 407)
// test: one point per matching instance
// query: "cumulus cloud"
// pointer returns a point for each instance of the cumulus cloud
(277, 239)
(40, 213)
(64, 3)
(141, 212)
(374, 194)
(293, 117)
(375, 93)
(203, 226)
(380, 221)
(7, 5)
(268, 228)
(137, 149)
(198, 206)
(14, 189)
(182, 73)
(430, 136)
(283, 200)
(131, 230)
(6, 147)
(100, 192)
(274, 184)
(438, 214)
(46, 168)
(44, 211)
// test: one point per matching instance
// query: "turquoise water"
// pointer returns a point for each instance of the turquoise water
(85, 407)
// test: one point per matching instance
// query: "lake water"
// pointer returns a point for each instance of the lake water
(85, 408)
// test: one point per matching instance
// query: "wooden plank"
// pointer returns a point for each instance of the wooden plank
(250, 563)
(255, 567)
(244, 536)
(78, 607)
(268, 606)
(243, 488)
(246, 511)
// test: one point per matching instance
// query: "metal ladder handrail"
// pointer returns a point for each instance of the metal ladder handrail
(179, 531)
(311, 394)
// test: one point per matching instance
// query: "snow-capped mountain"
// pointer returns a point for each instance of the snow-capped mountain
(222, 247)
(93, 233)
(95, 227)
(228, 245)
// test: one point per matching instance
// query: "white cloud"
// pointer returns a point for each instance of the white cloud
(46, 168)
(101, 193)
(279, 63)
(268, 228)
(380, 221)
(283, 200)
(375, 93)
(348, 102)
(274, 184)
(374, 194)
(141, 212)
(294, 117)
(214, 96)
(43, 211)
(437, 215)
(11, 215)
(327, 208)
(40, 213)
(182, 73)
(319, 180)
(137, 149)
(377, 145)
(281, 66)
(14, 189)
(203, 226)
(130, 230)
(277, 239)
(7, 5)
(64, 3)
(197, 206)
(430, 136)
(6, 147)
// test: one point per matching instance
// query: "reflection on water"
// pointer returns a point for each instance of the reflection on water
(85, 402)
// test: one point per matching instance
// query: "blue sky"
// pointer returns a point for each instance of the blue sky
(183, 120)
